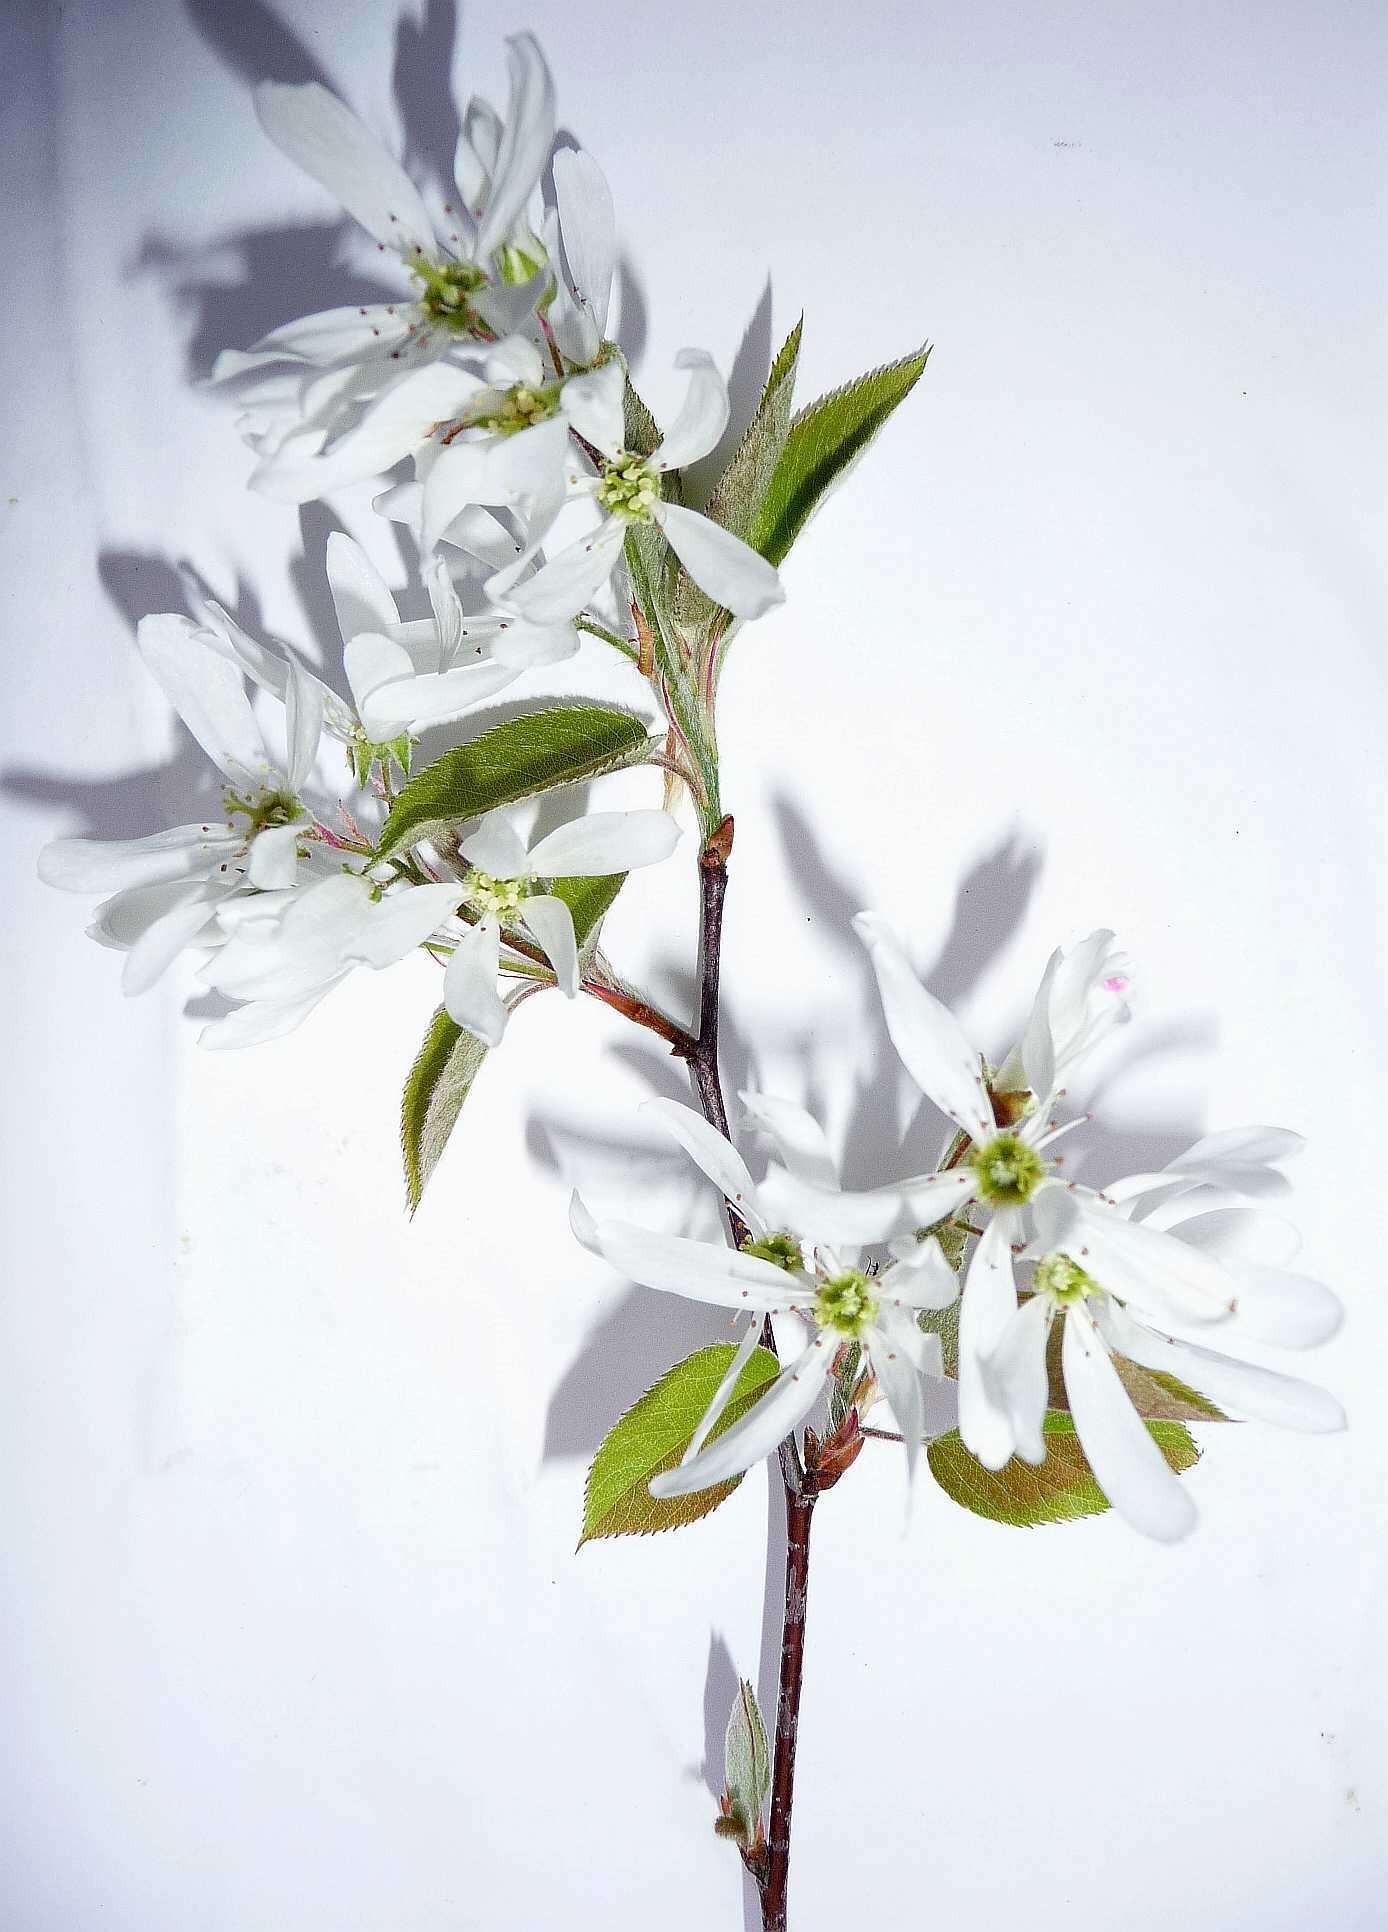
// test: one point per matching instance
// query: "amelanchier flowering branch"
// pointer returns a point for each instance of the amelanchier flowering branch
(1078, 1330)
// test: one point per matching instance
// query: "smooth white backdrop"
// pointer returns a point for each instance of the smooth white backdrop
(295, 1634)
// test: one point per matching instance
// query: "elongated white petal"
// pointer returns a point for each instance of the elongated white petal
(1223, 1227)
(710, 1152)
(551, 924)
(900, 1328)
(209, 694)
(361, 596)
(515, 359)
(1160, 1275)
(469, 984)
(729, 570)
(592, 402)
(108, 865)
(325, 139)
(374, 662)
(1289, 1310)
(989, 1303)
(826, 1214)
(432, 698)
(899, 1381)
(303, 726)
(333, 337)
(273, 863)
(395, 925)
(479, 144)
(524, 646)
(1129, 1467)
(741, 1356)
(525, 143)
(932, 1044)
(125, 917)
(758, 1433)
(703, 414)
(920, 1276)
(605, 842)
(494, 845)
(1240, 1146)
(398, 423)
(588, 225)
(261, 1020)
(796, 1135)
(526, 469)
(1038, 1045)
(699, 1270)
(1266, 1396)
(160, 944)
(562, 587)
(1016, 1374)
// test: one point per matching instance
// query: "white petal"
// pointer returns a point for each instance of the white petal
(374, 663)
(108, 865)
(304, 709)
(125, 917)
(469, 984)
(703, 415)
(1221, 1226)
(327, 141)
(1283, 1400)
(526, 469)
(1289, 1310)
(524, 646)
(209, 694)
(397, 424)
(796, 1135)
(900, 1383)
(551, 924)
(1129, 1467)
(274, 857)
(479, 144)
(588, 225)
(825, 1214)
(260, 1020)
(1038, 1047)
(395, 925)
(514, 359)
(1240, 1146)
(1157, 1273)
(602, 843)
(525, 143)
(758, 1433)
(932, 1044)
(710, 1152)
(920, 1276)
(332, 338)
(741, 1356)
(361, 596)
(729, 570)
(698, 1270)
(989, 1303)
(1017, 1377)
(495, 846)
(432, 698)
(593, 404)
(160, 944)
(569, 581)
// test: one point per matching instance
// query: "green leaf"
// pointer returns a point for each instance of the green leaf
(640, 431)
(1060, 1489)
(823, 440)
(1157, 1396)
(588, 901)
(437, 1085)
(512, 761)
(654, 1434)
(746, 1762)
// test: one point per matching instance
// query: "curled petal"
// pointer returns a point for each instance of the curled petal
(525, 143)
(703, 415)
(551, 923)
(796, 1136)
(729, 570)
(469, 984)
(711, 1153)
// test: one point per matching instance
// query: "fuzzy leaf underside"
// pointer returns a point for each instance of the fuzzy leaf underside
(448, 1060)
(746, 1759)
(824, 440)
(654, 1434)
(514, 760)
(1059, 1490)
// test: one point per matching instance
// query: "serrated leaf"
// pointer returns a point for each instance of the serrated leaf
(437, 1085)
(1157, 1396)
(514, 760)
(653, 1435)
(588, 901)
(1058, 1490)
(823, 441)
(746, 1761)
(640, 430)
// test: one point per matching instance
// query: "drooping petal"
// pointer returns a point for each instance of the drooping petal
(479, 144)
(110, 865)
(988, 1305)
(525, 143)
(900, 1382)
(1130, 1468)
(698, 1270)
(741, 1356)
(1160, 1275)
(395, 925)
(729, 570)
(796, 1135)
(273, 862)
(126, 916)
(1283, 1400)
(551, 924)
(601, 843)
(562, 587)
(325, 139)
(710, 1153)
(400, 420)
(592, 402)
(930, 1041)
(160, 944)
(432, 698)
(361, 596)
(1017, 1377)
(261, 1020)
(335, 336)
(703, 414)
(469, 984)
(303, 725)
(1289, 1310)
(758, 1433)
(209, 694)
(494, 845)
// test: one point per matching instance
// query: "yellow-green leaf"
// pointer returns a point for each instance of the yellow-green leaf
(1058, 1490)
(654, 1434)
(437, 1085)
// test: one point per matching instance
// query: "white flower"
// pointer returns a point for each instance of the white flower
(1083, 993)
(505, 888)
(628, 493)
(463, 289)
(1110, 1277)
(773, 1275)
(581, 229)
(166, 889)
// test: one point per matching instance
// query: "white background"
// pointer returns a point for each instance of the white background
(295, 1634)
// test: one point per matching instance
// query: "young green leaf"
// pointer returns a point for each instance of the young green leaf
(823, 441)
(437, 1085)
(588, 901)
(513, 761)
(653, 1435)
(746, 1762)
(1058, 1490)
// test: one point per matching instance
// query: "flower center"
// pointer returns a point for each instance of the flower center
(846, 1303)
(499, 898)
(264, 809)
(781, 1250)
(446, 288)
(1063, 1280)
(1009, 1171)
(505, 411)
(629, 487)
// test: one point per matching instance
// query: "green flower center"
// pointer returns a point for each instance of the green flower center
(264, 809)
(1063, 1280)
(629, 487)
(446, 287)
(846, 1303)
(501, 898)
(505, 411)
(520, 265)
(1009, 1171)
(781, 1250)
